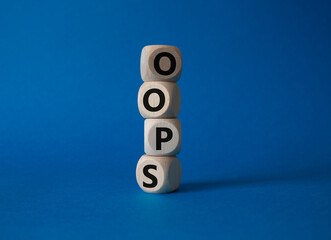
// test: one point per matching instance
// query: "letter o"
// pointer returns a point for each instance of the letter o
(161, 103)
(172, 63)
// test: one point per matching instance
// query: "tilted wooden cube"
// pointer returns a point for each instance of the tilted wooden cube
(160, 63)
(158, 174)
(159, 100)
(163, 136)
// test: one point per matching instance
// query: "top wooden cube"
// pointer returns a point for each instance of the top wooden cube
(160, 63)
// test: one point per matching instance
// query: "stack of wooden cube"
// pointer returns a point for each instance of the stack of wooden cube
(159, 171)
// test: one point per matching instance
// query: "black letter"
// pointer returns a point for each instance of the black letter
(161, 103)
(172, 63)
(152, 177)
(159, 140)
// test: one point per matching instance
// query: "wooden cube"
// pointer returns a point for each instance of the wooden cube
(158, 174)
(160, 63)
(163, 136)
(159, 100)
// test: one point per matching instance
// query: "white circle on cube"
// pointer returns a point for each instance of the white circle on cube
(163, 100)
(160, 63)
(162, 136)
(158, 174)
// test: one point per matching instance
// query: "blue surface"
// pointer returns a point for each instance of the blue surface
(256, 118)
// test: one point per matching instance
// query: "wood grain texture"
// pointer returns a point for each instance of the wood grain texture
(158, 174)
(162, 136)
(159, 100)
(160, 63)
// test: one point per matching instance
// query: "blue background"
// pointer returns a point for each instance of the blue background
(256, 119)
